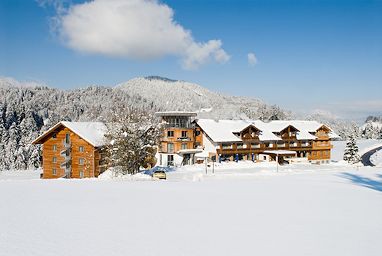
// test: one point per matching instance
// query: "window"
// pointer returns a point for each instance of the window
(184, 145)
(81, 174)
(170, 133)
(170, 148)
(255, 145)
(81, 161)
(54, 160)
(184, 134)
(54, 135)
(54, 147)
(197, 133)
(67, 138)
(226, 146)
(170, 160)
(54, 171)
(81, 149)
(239, 145)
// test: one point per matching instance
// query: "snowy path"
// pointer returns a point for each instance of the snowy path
(365, 158)
(314, 213)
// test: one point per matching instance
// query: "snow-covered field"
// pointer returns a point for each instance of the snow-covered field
(363, 146)
(251, 210)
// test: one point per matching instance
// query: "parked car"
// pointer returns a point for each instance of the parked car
(159, 172)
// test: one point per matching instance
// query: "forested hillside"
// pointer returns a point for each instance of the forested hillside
(28, 109)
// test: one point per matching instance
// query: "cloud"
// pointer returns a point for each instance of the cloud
(133, 29)
(252, 60)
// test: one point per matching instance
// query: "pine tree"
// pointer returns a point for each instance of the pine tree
(351, 151)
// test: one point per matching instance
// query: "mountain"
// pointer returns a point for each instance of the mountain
(28, 109)
(168, 94)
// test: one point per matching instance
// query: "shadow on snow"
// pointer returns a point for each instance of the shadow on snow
(375, 184)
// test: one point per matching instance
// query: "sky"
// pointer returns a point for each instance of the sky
(305, 56)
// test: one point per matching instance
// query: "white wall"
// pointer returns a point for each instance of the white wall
(177, 159)
(208, 145)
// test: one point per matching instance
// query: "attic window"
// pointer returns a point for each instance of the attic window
(54, 135)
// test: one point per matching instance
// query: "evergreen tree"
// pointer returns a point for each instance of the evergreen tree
(351, 151)
(133, 138)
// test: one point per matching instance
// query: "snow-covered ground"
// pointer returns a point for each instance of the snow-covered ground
(376, 158)
(363, 146)
(251, 210)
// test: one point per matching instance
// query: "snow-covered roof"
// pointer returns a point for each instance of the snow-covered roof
(176, 113)
(92, 132)
(224, 130)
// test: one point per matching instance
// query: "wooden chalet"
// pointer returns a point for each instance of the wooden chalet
(72, 150)
(185, 138)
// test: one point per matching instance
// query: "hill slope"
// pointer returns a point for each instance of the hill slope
(169, 94)
(28, 109)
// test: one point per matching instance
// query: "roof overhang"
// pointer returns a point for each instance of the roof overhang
(46, 133)
(252, 126)
(280, 152)
(176, 113)
(189, 151)
(39, 139)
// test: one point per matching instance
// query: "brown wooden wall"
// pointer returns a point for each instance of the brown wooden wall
(175, 139)
(90, 156)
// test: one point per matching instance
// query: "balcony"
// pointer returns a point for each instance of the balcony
(183, 139)
(255, 146)
(66, 154)
(66, 144)
(66, 163)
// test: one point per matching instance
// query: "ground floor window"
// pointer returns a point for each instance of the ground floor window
(54, 171)
(184, 145)
(81, 174)
(170, 160)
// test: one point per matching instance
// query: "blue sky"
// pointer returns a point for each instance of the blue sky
(311, 55)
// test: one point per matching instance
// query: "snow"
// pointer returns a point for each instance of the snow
(223, 130)
(376, 158)
(377, 125)
(92, 132)
(363, 146)
(301, 210)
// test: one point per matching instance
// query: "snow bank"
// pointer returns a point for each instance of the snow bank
(112, 175)
(376, 158)
(20, 174)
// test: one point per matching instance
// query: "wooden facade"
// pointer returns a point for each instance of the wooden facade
(175, 139)
(66, 154)
(314, 150)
